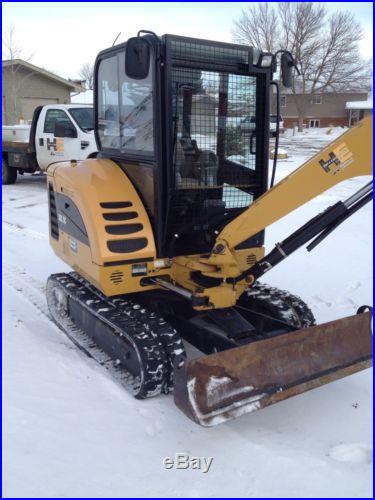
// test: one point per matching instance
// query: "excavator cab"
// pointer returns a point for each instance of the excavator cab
(180, 126)
(165, 232)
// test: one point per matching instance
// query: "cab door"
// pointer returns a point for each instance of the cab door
(51, 149)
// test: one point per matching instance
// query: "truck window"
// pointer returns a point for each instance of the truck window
(52, 116)
(125, 108)
(84, 118)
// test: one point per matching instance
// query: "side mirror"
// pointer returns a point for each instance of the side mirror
(137, 58)
(287, 64)
(65, 129)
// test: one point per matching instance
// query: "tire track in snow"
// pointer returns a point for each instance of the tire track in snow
(23, 231)
(29, 287)
(34, 291)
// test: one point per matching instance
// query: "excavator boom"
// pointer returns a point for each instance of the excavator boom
(350, 155)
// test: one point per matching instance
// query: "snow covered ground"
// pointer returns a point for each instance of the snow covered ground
(71, 431)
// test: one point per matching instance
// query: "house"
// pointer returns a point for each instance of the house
(321, 110)
(26, 86)
(358, 110)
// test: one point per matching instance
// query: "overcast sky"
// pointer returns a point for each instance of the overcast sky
(64, 35)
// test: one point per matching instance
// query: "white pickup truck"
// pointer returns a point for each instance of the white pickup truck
(58, 132)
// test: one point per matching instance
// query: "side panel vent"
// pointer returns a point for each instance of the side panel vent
(117, 277)
(127, 246)
(251, 259)
(124, 228)
(54, 227)
(116, 204)
(119, 216)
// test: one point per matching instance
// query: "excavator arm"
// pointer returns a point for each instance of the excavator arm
(350, 155)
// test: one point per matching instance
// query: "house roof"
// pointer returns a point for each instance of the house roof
(68, 83)
(358, 105)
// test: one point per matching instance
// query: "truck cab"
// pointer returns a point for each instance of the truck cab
(64, 132)
(58, 132)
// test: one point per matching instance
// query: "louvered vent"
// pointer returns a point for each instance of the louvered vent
(120, 216)
(116, 204)
(124, 228)
(127, 246)
(251, 259)
(117, 277)
(54, 227)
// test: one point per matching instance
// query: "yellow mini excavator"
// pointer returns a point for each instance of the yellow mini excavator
(164, 231)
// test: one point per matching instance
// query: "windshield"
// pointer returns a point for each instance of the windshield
(84, 118)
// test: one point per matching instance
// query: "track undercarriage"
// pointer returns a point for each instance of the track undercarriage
(138, 338)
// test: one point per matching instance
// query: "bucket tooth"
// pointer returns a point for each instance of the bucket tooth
(215, 388)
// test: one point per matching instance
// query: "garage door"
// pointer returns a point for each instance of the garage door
(30, 103)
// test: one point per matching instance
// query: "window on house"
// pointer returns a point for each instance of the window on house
(283, 101)
(314, 123)
(53, 116)
(316, 99)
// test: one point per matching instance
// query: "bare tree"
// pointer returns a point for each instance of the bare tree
(87, 73)
(11, 51)
(325, 47)
(258, 26)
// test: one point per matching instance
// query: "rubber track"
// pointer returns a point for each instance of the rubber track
(157, 342)
(291, 308)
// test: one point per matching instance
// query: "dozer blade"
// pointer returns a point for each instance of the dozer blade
(230, 383)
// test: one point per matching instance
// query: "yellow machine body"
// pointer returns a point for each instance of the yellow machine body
(90, 184)
(100, 190)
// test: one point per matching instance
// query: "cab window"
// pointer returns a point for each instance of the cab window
(125, 108)
(53, 116)
(108, 103)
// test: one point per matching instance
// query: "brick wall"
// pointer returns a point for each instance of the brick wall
(324, 121)
(330, 108)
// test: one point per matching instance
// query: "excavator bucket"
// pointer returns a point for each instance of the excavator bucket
(221, 386)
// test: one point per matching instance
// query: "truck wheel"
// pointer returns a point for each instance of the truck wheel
(9, 174)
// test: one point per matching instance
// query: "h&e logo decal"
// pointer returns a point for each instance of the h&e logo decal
(55, 145)
(338, 159)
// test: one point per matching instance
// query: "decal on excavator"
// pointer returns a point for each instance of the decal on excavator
(73, 245)
(339, 159)
(61, 218)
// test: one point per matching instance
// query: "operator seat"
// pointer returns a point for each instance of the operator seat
(195, 167)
